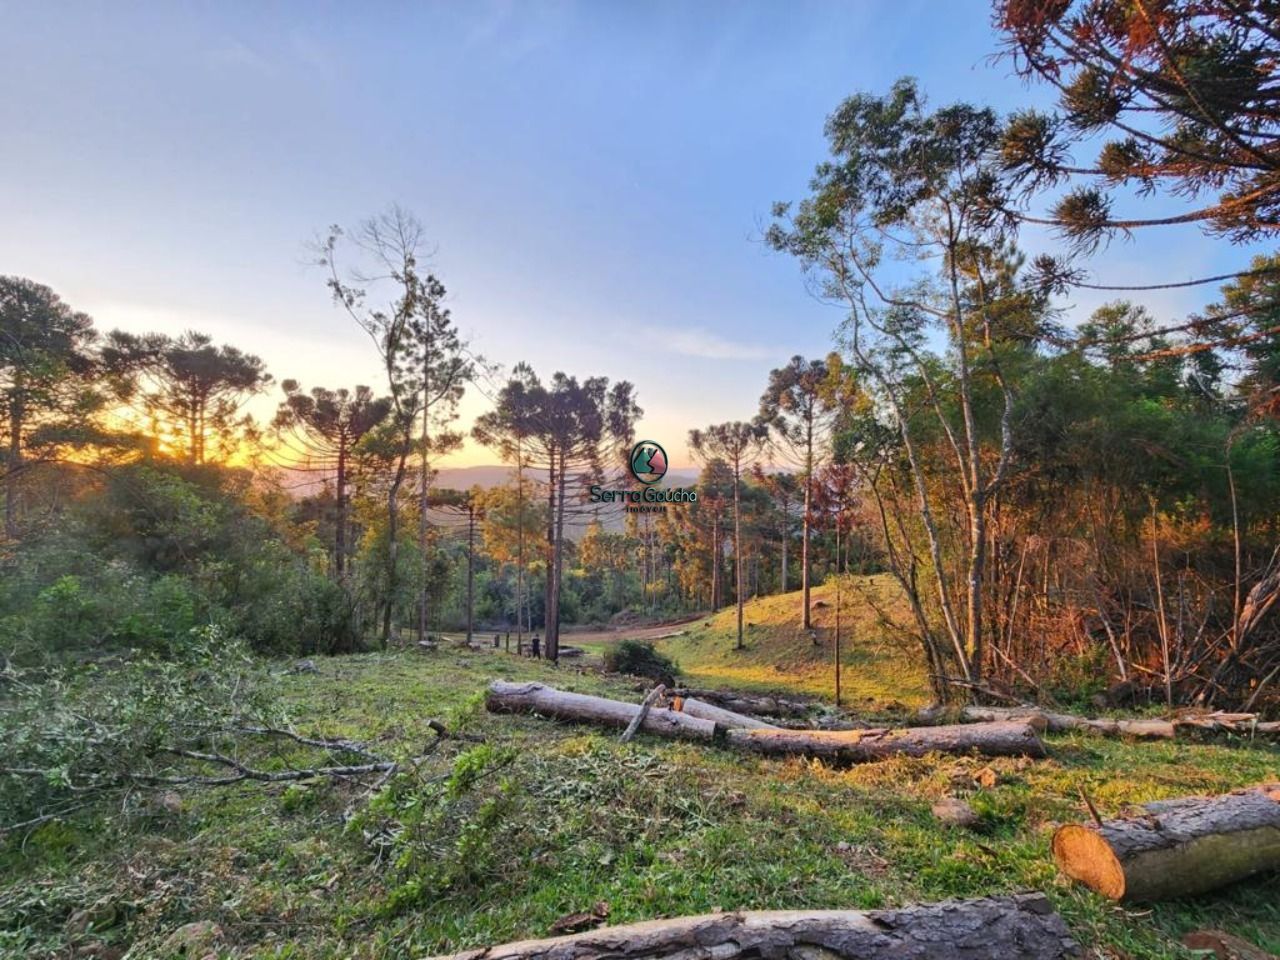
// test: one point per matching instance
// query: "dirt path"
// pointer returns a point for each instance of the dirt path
(573, 637)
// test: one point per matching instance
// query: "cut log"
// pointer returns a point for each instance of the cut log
(847, 746)
(1008, 738)
(752, 704)
(1245, 724)
(505, 697)
(1177, 848)
(1223, 946)
(1064, 722)
(1023, 927)
(726, 718)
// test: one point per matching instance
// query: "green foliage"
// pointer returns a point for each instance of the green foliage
(640, 659)
(155, 554)
(68, 731)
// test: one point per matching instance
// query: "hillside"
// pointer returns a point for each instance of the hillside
(879, 670)
(497, 836)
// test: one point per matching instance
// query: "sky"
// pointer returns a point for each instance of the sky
(594, 178)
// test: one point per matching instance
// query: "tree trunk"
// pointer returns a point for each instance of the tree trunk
(784, 580)
(1008, 738)
(471, 568)
(393, 543)
(806, 618)
(1245, 724)
(548, 588)
(1177, 848)
(505, 697)
(726, 718)
(715, 561)
(737, 546)
(1022, 927)
(755, 704)
(553, 627)
(340, 524)
(424, 493)
(14, 467)
(845, 746)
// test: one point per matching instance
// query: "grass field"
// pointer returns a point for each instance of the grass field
(493, 841)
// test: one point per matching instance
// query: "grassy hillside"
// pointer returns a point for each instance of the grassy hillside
(879, 670)
(495, 840)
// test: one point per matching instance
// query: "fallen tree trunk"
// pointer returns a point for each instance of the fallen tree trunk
(726, 718)
(1064, 722)
(1023, 927)
(848, 746)
(505, 697)
(1177, 848)
(1246, 724)
(1007, 738)
(754, 704)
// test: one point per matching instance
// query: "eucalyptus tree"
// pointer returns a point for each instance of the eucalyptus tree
(738, 444)
(191, 390)
(425, 360)
(924, 187)
(47, 363)
(799, 408)
(329, 426)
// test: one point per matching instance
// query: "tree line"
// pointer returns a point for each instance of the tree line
(1067, 505)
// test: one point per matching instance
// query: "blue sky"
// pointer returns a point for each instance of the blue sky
(594, 176)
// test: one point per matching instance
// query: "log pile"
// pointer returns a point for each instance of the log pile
(1246, 724)
(1023, 927)
(1005, 738)
(1175, 848)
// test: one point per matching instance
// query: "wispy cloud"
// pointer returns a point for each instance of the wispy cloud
(695, 342)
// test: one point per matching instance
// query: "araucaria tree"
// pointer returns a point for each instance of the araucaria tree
(798, 406)
(46, 385)
(328, 427)
(506, 429)
(427, 365)
(909, 184)
(191, 390)
(1187, 92)
(738, 444)
(575, 432)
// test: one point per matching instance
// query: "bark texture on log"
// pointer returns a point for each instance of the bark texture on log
(1062, 722)
(1023, 927)
(726, 718)
(769, 706)
(1008, 738)
(1176, 848)
(506, 697)
(845, 746)
(1246, 724)
(645, 706)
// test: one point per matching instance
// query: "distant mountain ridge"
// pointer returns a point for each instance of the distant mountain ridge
(496, 475)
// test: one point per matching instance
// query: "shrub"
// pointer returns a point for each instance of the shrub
(76, 732)
(641, 659)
